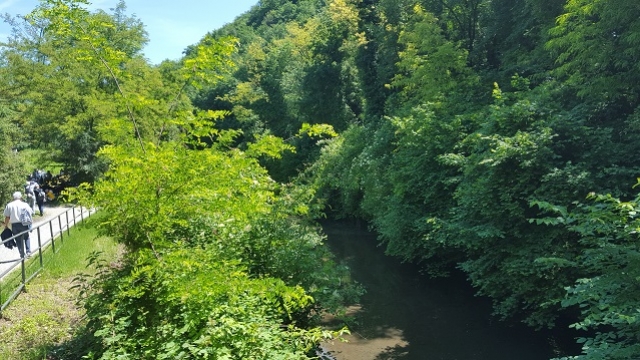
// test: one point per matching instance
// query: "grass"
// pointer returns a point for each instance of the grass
(45, 315)
(40, 159)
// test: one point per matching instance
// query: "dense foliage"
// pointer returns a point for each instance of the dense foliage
(217, 266)
(462, 125)
(454, 118)
(607, 230)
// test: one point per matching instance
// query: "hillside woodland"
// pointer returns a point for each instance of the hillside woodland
(493, 137)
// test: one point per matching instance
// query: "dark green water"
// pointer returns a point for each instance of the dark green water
(438, 319)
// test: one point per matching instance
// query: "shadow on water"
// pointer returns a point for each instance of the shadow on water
(407, 316)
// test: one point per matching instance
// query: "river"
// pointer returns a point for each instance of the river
(407, 316)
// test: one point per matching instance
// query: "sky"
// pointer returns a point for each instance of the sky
(172, 25)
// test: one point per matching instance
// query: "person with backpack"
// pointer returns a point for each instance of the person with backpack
(20, 215)
(29, 190)
(40, 199)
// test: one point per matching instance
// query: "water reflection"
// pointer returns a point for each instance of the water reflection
(406, 316)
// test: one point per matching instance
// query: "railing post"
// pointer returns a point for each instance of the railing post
(53, 241)
(39, 246)
(81, 214)
(66, 214)
(24, 270)
(60, 227)
(73, 213)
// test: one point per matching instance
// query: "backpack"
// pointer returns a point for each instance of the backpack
(28, 190)
(25, 217)
(6, 233)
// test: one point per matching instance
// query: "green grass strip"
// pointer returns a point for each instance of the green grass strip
(45, 314)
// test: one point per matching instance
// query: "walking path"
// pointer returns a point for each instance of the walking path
(10, 258)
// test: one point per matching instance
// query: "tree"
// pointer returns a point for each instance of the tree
(430, 68)
(64, 103)
(204, 216)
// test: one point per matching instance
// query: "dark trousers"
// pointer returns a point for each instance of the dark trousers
(23, 239)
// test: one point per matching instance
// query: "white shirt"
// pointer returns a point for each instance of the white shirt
(30, 188)
(14, 208)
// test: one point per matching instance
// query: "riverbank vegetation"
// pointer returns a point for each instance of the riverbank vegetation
(462, 125)
(497, 137)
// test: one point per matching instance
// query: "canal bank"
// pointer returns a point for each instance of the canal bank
(408, 316)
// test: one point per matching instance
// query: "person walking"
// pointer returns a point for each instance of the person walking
(41, 197)
(19, 215)
(29, 191)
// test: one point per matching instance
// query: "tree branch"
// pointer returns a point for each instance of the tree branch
(113, 76)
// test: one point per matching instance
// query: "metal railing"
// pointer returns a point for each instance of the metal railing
(55, 228)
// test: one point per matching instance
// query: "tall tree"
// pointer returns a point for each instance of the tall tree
(430, 67)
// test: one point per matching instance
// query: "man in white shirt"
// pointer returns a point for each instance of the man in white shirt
(12, 215)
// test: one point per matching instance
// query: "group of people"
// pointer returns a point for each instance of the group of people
(37, 190)
(53, 185)
(35, 196)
